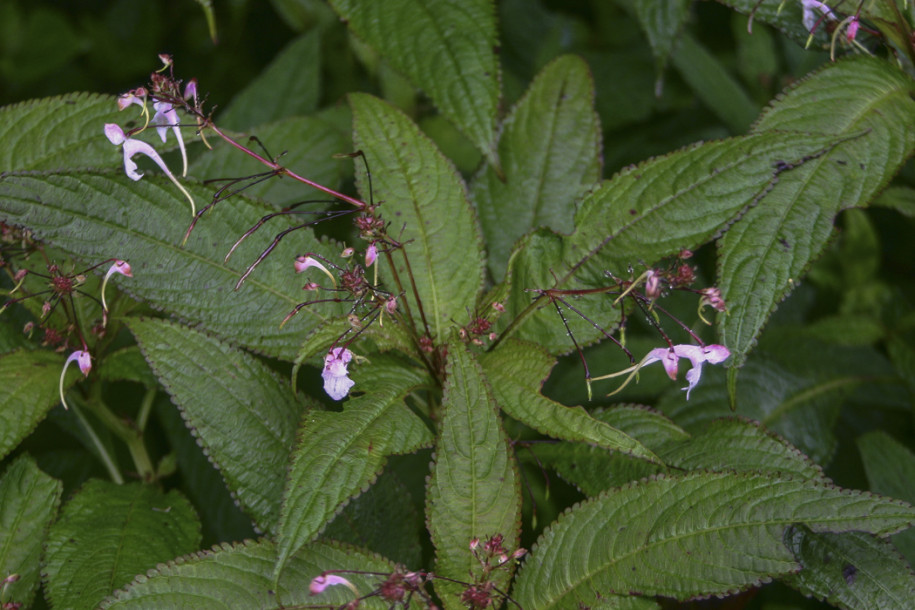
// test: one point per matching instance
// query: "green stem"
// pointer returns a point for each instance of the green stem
(146, 408)
(113, 471)
(132, 437)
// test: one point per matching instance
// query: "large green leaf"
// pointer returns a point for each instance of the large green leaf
(289, 86)
(550, 152)
(517, 370)
(28, 389)
(447, 48)
(340, 453)
(307, 146)
(28, 505)
(422, 193)
(239, 576)
(865, 100)
(242, 414)
(58, 132)
(850, 570)
(101, 216)
(474, 490)
(108, 533)
(694, 535)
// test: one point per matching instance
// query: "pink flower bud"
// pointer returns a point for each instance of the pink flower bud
(319, 583)
(371, 254)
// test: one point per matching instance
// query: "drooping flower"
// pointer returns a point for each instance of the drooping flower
(167, 117)
(371, 254)
(304, 262)
(669, 357)
(337, 383)
(810, 18)
(118, 266)
(319, 583)
(133, 147)
(84, 360)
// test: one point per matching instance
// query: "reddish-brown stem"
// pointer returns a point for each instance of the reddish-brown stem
(280, 170)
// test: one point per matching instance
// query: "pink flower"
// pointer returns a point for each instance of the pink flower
(166, 116)
(118, 266)
(696, 354)
(371, 255)
(84, 360)
(669, 357)
(809, 17)
(302, 263)
(336, 376)
(319, 583)
(133, 147)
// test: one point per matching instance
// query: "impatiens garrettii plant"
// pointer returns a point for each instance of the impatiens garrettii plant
(377, 367)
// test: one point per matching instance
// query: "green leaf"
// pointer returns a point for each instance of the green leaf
(423, 193)
(474, 490)
(28, 390)
(446, 48)
(108, 533)
(683, 537)
(517, 370)
(243, 415)
(899, 198)
(592, 469)
(384, 520)
(28, 505)
(764, 255)
(288, 86)
(58, 132)
(742, 445)
(714, 85)
(661, 22)
(550, 152)
(890, 468)
(307, 146)
(239, 576)
(127, 364)
(340, 453)
(850, 570)
(101, 216)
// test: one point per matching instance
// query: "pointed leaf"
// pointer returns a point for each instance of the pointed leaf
(423, 193)
(683, 537)
(243, 415)
(890, 469)
(517, 370)
(850, 570)
(58, 132)
(100, 216)
(473, 491)
(239, 576)
(340, 453)
(764, 255)
(661, 22)
(307, 146)
(28, 504)
(742, 445)
(550, 152)
(593, 469)
(446, 48)
(108, 533)
(28, 389)
(288, 86)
